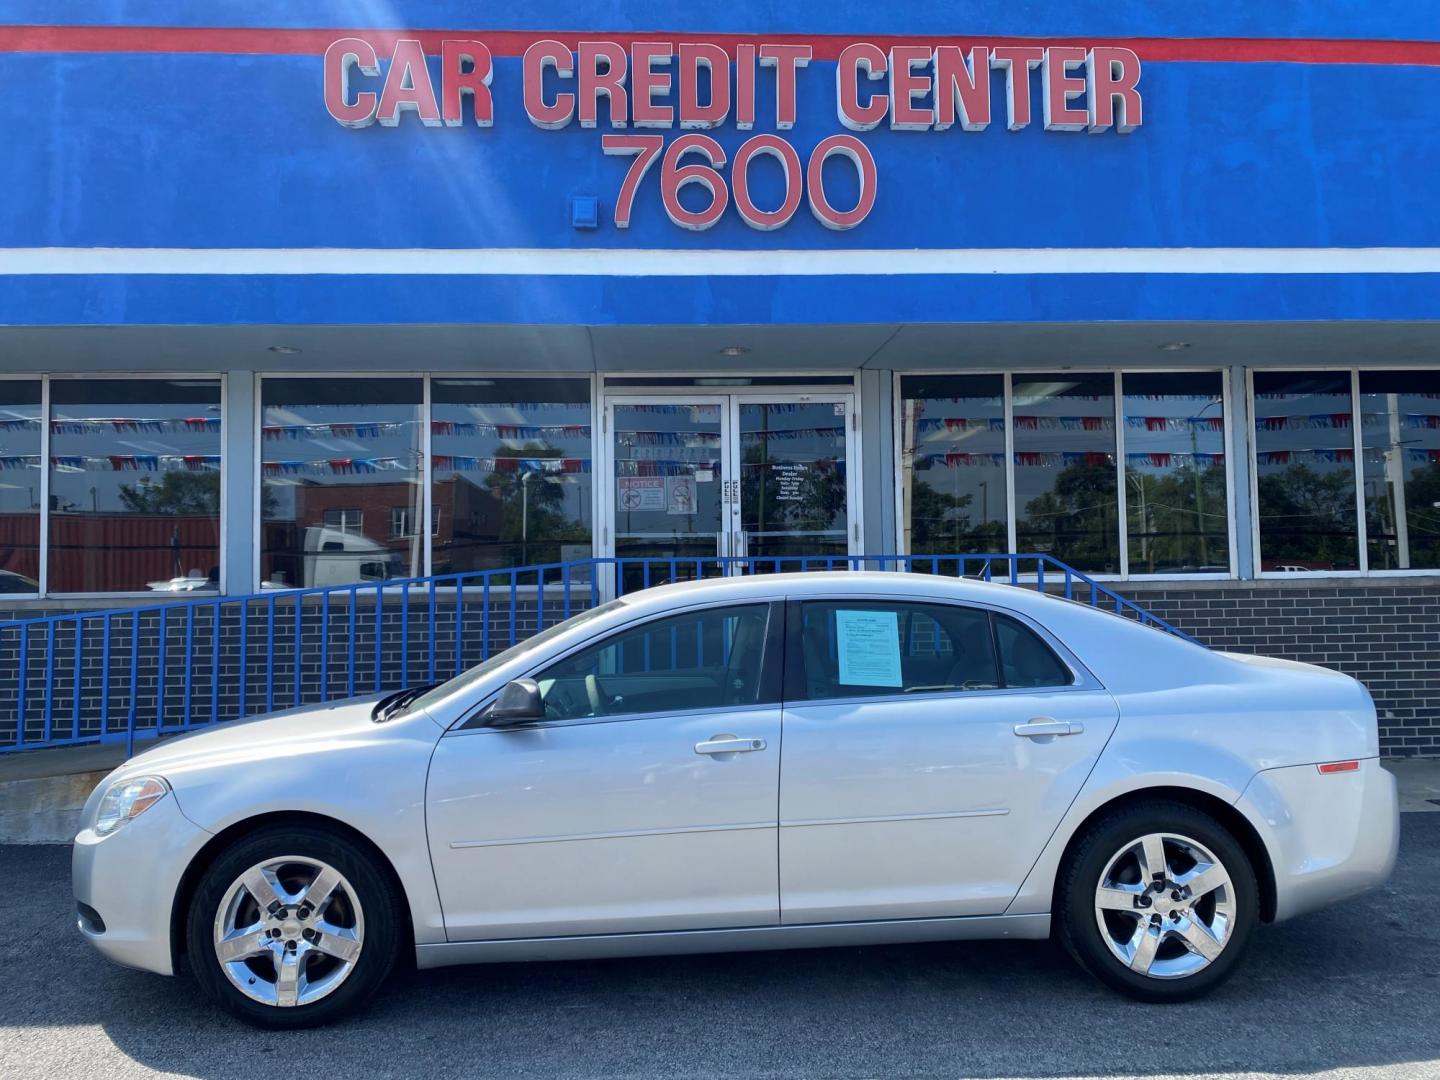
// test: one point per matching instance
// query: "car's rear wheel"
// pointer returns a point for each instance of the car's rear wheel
(293, 927)
(1158, 901)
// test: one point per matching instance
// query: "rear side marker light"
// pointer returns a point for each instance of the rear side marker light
(1338, 766)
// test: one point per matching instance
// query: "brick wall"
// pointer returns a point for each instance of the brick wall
(1386, 635)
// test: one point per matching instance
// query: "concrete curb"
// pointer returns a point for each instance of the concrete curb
(44, 810)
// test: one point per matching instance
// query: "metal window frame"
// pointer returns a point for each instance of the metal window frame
(850, 392)
(1012, 522)
(427, 472)
(897, 450)
(590, 377)
(222, 378)
(1231, 535)
(1355, 478)
(259, 461)
(1362, 538)
(43, 510)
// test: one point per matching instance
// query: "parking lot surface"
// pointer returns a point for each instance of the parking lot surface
(1351, 992)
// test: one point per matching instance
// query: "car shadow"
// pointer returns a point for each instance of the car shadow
(1355, 986)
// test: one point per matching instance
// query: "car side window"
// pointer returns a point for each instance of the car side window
(704, 659)
(863, 648)
(1025, 659)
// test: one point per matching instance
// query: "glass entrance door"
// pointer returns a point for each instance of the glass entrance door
(668, 475)
(708, 479)
(795, 497)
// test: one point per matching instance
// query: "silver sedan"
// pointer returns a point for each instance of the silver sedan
(768, 762)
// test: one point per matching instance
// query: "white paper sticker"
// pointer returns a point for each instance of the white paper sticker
(869, 646)
(679, 495)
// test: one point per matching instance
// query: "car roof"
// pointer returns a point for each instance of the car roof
(840, 583)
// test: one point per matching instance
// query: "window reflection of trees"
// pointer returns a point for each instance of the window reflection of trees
(511, 472)
(1305, 471)
(953, 464)
(1177, 513)
(1065, 477)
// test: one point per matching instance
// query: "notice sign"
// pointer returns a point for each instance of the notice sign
(869, 646)
(789, 478)
(641, 492)
(679, 494)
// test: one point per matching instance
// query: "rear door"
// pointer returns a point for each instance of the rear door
(920, 777)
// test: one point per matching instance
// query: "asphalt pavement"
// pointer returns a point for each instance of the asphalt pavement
(1350, 992)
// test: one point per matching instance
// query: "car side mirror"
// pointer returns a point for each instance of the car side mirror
(518, 703)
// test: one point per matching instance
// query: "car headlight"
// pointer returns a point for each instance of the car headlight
(125, 800)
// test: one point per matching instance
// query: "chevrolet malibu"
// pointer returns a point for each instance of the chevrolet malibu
(780, 761)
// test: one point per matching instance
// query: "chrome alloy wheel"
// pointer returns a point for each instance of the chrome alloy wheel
(1165, 905)
(289, 931)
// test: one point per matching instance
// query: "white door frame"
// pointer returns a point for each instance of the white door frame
(605, 502)
(846, 397)
(729, 403)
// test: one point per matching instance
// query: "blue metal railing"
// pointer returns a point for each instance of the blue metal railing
(156, 669)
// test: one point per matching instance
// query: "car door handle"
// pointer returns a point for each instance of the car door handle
(729, 744)
(1042, 727)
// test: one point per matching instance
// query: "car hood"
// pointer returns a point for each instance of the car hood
(275, 735)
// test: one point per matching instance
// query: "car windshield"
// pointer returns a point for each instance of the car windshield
(470, 676)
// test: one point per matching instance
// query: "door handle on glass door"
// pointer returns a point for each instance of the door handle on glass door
(729, 744)
(1043, 727)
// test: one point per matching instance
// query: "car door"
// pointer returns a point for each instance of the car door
(646, 801)
(921, 778)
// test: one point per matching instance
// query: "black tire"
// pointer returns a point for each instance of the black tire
(1076, 923)
(376, 892)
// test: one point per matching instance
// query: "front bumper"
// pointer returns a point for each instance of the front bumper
(1330, 836)
(130, 879)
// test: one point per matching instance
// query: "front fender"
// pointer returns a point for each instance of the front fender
(375, 785)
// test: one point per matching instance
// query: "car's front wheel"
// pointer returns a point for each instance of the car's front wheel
(293, 927)
(1158, 901)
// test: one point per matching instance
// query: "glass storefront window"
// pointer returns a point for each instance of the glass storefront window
(1400, 438)
(20, 474)
(134, 485)
(337, 457)
(1305, 471)
(1176, 505)
(952, 465)
(1065, 490)
(512, 472)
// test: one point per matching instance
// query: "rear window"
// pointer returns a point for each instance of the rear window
(1025, 659)
(862, 648)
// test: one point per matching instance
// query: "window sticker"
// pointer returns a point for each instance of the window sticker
(869, 646)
